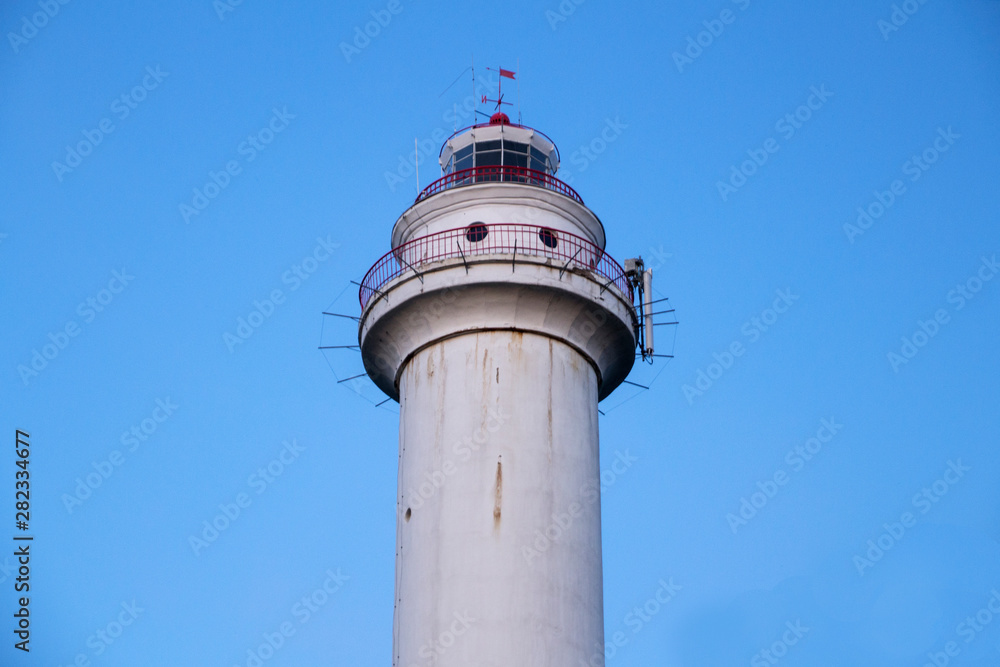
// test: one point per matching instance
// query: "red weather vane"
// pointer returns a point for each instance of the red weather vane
(503, 73)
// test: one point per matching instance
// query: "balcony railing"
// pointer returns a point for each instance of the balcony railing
(569, 250)
(497, 174)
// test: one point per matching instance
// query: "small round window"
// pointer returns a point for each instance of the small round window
(476, 232)
(548, 237)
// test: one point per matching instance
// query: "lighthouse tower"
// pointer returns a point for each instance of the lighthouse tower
(498, 323)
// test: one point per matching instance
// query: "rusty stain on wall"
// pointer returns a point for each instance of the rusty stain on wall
(499, 495)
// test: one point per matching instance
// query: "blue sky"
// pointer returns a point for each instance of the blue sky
(747, 137)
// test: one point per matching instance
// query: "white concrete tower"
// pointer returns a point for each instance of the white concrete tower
(498, 322)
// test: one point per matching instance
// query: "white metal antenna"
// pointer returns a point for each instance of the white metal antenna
(416, 162)
(518, 92)
(647, 310)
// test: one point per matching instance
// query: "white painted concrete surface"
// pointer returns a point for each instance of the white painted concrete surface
(499, 539)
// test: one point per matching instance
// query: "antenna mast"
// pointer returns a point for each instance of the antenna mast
(518, 93)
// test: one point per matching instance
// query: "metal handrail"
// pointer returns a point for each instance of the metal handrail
(498, 173)
(570, 250)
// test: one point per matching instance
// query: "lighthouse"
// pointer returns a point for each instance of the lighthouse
(498, 323)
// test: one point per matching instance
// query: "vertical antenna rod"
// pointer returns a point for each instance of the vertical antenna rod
(518, 93)
(647, 310)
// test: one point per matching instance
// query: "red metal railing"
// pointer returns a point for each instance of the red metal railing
(568, 249)
(496, 174)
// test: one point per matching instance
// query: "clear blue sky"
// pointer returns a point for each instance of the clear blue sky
(307, 205)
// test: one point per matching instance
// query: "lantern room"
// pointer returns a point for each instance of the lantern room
(499, 143)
